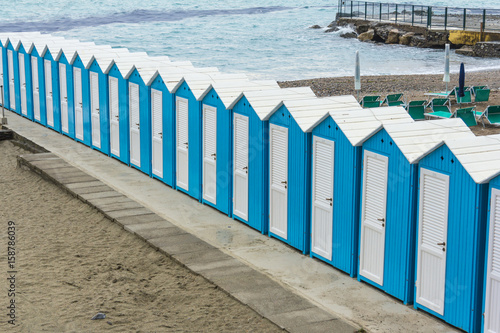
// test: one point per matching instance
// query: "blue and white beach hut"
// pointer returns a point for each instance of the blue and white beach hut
(388, 200)
(250, 152)
(51, 72)
(119, 126)
(81, 92)
(98, 87)
(163, 124)
(188, 132)
(289, 165)
(24, 82)
(217, 138)
(451, 232)
(13, 75)
(4, 79)
(486, 152)
(337, 140)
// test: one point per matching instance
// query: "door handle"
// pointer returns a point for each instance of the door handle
(213, 154)
(442, 244)
(284, 182)
(381, 220)
(329, 199)
(160, 133)
(136, 124)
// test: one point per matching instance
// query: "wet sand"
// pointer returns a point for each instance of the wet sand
(72, 263)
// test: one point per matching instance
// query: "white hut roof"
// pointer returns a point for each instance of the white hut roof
(479, 155)
(229, 91)
(265, 101)
(417, 139)
(308, 111)
(359, 124)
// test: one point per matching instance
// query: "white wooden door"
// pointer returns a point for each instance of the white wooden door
(48, 92)
(22, 83)
(94, 109)
(77, 78)
(322, 205)
(432, 234)
(492, 302)
(278, 165)
(63, 88)
(240, 164)
(210, 154)
(36, 88)
(182, 135)
(157, 126)
(135, 125)
(373, 217)
(12, 92)
(114, 111)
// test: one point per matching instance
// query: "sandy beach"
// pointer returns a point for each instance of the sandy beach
(72, 263)
(414, 87)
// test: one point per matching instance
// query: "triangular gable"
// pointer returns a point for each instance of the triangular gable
(416, 140)
(479, 155)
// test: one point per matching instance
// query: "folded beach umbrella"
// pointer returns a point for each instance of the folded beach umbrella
(461, 81)
(357, 75)
(446, 77)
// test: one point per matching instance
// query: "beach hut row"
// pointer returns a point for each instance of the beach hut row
(411, 208)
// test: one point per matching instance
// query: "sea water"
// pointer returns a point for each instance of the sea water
(264, 39)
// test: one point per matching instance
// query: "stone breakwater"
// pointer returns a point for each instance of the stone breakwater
(469, 43)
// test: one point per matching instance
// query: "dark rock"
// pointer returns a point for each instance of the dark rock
(332, 25)
(486, 49)
(315, 27)
(332, 29)
(418, 41)
(465, 50)
(348, 35)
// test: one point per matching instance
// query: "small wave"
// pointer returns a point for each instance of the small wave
(135, 16)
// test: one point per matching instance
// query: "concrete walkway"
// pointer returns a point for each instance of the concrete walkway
(294, 291)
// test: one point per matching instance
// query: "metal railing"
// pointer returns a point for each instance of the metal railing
(446, 18)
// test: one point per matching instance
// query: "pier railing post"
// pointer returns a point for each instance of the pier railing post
(366, 9)
(412, 14)
(484, 19)
(396, 18)
(429, 17)
(351, 9)
(445, 18)
(380, 15)
(465, 18)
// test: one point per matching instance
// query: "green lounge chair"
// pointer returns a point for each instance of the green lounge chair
(440, 108)
(467, 115)
(481, 95)
(475, 88)
(416, 109)
(492, 113)
(466, 98)
(394, 100)
(371, 102)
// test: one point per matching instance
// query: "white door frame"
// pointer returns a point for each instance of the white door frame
(182, 143)
(240, 166)
(135, 124)
(322, 197)
(157, 128)
(373, 217)
(431, 247)
(114, 116)
(492, 302)
(22, 83)
(49, 101)
(278, 196)
(63, 89)
(36, 88)
(78, 102)
(94, 109)
(12, 91)
(209, 154)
